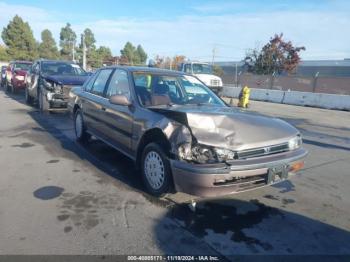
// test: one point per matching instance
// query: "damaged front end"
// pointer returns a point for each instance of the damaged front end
(56, 93)
(216, 154)
(185, 146)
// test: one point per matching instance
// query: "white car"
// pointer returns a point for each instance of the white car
(204, 72)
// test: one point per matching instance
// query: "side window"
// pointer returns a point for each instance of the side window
(119, 84)
(100, 83)
(90, 82)
(188, 68)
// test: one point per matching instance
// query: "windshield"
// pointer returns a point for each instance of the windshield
(61, 68)
(202, 69)
(22, 66)
(157, 89)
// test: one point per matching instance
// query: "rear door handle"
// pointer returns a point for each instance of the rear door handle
(103, 108)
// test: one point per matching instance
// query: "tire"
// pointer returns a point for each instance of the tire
(44, 105)
(28, 98)
(156, 172)
(79, 128)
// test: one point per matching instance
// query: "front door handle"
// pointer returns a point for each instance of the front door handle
(103, 108)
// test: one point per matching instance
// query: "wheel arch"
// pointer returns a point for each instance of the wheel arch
(154, 135)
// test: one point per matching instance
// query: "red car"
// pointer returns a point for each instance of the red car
(16, 73)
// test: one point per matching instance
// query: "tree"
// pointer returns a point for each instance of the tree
(129, 52)
(100, 56)
(218, 71)
(141, 54)
(178, 59)
(104, 53)
(19, 39)
(169, 63)
(67, 41)
(135, 56)
(3, 53)
(276, 56)
(47, 47)
(90, 46)
(89, 39)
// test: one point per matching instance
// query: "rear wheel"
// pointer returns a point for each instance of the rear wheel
(44, 105)
(156, 172)
(80, 128)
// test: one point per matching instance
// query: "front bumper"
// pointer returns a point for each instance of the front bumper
(57, 100)
(211, 180)
(19, 84)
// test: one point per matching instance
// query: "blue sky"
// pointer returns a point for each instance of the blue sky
(194, 27)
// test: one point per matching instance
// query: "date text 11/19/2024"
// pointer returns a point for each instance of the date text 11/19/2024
(173, 258)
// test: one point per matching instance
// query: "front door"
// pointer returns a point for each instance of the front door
(118, 119)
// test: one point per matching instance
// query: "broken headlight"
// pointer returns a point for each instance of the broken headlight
(224, 155)
(295, 142)
(205, 154)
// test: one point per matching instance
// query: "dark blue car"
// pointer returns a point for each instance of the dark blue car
(50, 81)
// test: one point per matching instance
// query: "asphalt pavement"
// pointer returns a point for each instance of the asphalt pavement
(60, 197)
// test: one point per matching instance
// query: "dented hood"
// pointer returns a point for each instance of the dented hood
(67, 79)
(228, 127)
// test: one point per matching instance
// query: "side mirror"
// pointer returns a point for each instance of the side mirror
(121, 100)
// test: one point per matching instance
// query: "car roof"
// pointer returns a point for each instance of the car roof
(145, 69)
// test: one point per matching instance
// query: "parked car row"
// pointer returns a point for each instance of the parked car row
(178, 132)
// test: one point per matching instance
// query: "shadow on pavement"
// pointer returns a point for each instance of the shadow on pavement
(234, 227)
(102, 156)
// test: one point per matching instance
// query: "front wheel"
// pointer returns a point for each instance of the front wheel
(44, 105)
(79, 127)
(156, 172)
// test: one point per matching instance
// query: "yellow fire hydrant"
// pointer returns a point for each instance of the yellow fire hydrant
(244, 97)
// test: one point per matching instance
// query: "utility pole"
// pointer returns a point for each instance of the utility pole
(236, 75)
(73, 51)
(84, 51)
(214, 52)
